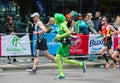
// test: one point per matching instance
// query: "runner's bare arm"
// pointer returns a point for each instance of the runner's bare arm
(113, 30)
(43, 29)
(118, 31)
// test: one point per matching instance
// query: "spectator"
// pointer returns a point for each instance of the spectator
(81, 26)
(116, 23)
(30, 27)
(53, 28)
(86, 18)
(1, 23)
(91, 23)
(97, 20)
(17, 21)
(68, 16)
(71, 26)
(9, 28)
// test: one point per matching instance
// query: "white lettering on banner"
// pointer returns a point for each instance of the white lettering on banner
(52, 43)
(16, 49)
(13, 45)
(76, 51)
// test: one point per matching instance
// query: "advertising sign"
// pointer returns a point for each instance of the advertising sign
(79, 44)
(12, 45)
(95, 44)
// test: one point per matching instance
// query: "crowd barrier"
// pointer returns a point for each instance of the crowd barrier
(80, 44)
(13, 45)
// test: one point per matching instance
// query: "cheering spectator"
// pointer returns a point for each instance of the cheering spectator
(90, 23)
(53, 28)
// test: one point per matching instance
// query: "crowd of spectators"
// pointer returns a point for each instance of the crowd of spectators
(84, 24)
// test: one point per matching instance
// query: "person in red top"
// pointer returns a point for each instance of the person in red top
(115, 56)
(116, 53)
(107, 31)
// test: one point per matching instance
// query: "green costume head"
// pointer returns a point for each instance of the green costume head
(59, 18)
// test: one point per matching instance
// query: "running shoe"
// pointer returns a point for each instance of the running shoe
(115, 66)
(60, 77)
(32, 71)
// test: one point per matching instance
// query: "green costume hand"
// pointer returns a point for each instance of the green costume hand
(57, 38)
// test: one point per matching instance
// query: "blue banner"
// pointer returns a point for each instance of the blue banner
(42, 8)
(52, 46)
(34, 44)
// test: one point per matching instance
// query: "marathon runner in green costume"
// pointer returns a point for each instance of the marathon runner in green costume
(63, 49)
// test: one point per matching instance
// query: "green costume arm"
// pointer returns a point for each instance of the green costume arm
(64, 29)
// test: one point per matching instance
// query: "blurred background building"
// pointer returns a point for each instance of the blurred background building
(49, 7)
(46, 8)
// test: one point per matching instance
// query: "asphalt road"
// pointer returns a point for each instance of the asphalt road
(75, 75)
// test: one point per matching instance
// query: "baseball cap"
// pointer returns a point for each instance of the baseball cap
(35, 14)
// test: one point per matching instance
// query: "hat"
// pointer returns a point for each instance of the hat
(35, 14)
(68, 16)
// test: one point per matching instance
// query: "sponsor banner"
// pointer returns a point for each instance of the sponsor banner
(12, 45)
(95, 43)
(79, 44)
(0, 46)
(52, 46)
(34, 44)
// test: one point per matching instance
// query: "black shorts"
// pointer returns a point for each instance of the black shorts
(41, 44)
(108, 44)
